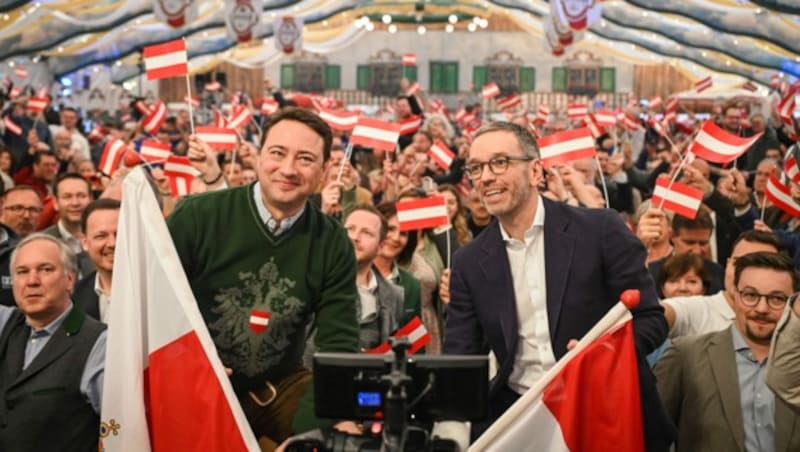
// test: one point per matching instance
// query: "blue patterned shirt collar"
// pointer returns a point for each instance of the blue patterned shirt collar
(275, 227)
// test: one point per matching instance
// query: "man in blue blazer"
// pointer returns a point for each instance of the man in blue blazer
(541, 275)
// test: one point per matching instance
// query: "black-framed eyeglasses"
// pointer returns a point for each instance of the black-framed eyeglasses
(497, 165)
(751, 298)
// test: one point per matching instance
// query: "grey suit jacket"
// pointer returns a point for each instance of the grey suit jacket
(783, 364)
(697, 381)
(85, 264)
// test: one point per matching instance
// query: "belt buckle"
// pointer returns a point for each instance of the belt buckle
(270, 399)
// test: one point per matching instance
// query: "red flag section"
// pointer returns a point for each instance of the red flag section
(605, 118)
(780, 194)
(577, 111)
(376, 134)
(566, 146)
(716, 145)
(221, 138)
(269, 106)
(11, 126)
(441, 154)
(509, 102)
(166, 60)
(155, 118)
(422, 213)
(654, 102)
(410, 125)
(154, 151)
(112, 154)
(240, 117)
(37, 104)
(679, 198)
(409, 59)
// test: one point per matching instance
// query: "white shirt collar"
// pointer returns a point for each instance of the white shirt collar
(538, 222)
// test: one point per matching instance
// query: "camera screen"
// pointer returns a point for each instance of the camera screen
(369, 399)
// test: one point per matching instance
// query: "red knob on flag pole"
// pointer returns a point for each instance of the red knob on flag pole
(630, 298)
(131, 158)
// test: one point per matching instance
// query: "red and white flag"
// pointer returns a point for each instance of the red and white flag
(577, 111)
(605, 118)
(339, 119)
(786, 108)
(490, 90)
(416, 333)
(155, 119)
(409, 59)
(654, 102)
(220, 138)
(672, 103)
(37, 104)
(112, 154)
(703, 84)
(542, 112)
(410, 125)
(240, 117)
(422, 213)
(269, 106)
(441, 154)
(596, 380)
(596, 129)
(20, 72)
(670, 116)
(141, 107)
(180, 172)
(166, 60)
(376, 134)
(679, 198)
(775, 80)
(657, 127)
(566, 146)
(631, 122)
(790, 165)
(718, 146)
(11, 126)
(160, 343)
(460, 114)
(97, 134)
(191, 101)
(213, 86)
(15, 92)
(154, 151)
(511, 101)
(780, 194)
(219, 119)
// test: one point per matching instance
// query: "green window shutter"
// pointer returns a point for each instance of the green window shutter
(608, 80)
(410, 72)
(333, 76)
(287, 76)
(450, 77)
(527, 79)
(363, 76)
(559, 79)
(479, 77)
(436, 75)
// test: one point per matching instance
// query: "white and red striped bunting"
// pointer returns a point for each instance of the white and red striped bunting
(152, 122)
(441, 154)
(376, 134)
(410, 125)
(240, 117)
(154, 151)
(269, 106)
(780, 194)
(112, 154)
(339, 120)
(703, 84)
(577, 111)
(566, 146)
(679, 198)
(166, 60)
(716, 145)
(37, 104)
(11, 126)
(422, 213)
(417, 335)
(490, 90)
(511, 101)
(220, 138)
(409, 59)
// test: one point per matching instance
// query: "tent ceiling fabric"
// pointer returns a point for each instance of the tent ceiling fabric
(752, 39)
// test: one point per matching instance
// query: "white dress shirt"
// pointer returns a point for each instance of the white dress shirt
(700, 314)
(103, 299)
(534, 350)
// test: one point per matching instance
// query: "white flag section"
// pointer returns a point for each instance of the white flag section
(588, 401)
(165, 387)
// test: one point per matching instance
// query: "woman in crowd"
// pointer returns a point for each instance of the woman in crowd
(684, 275)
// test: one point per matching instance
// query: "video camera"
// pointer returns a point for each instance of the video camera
(398, 398)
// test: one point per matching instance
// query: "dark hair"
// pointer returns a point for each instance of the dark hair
(301, 115)
(526, 141)
(71, 175)
(99, 204)
(63, 109)
(678, 265)
(753, 236)
(389, 209)
(38, 155)
(763, 259)
(371, 209)
(701, 221)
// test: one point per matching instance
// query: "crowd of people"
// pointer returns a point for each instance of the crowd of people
(301, 227)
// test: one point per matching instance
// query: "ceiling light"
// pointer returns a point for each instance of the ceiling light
(449, 28)
(452, 18)
(387, 19)
(483, 23)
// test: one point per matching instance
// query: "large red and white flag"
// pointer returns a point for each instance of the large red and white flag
(410, 125)
(780, 194)
(339, 119)
(511, 101)
(37, 104)
(490, 90)
(376, 134)
(164, 368)
(113, 152)
(716, 145)
(219, 119)
(240, 117)
(605, 118)
(566, 146)
(676, 197)
(790, 164)
(155, 119)
(577, 111)
(703, 84)
(269, 106)
(220, 138)
(596, 380)
(11, 126)
(422, 213)
(655, 125)
(154, 151)
(441, 154)
(409, 59)
(416, 333)
(166, 60)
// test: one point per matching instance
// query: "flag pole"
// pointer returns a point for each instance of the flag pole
(448, 244)
(603, 182)
(763, 207)
(191, 110)
(347, 153)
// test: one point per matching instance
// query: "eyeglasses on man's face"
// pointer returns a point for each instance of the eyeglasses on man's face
(17, 209)
(750, 298)
(497, 165)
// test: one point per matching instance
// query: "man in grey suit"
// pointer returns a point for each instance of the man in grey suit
(783, 364)
(713, 385)
(72, 194)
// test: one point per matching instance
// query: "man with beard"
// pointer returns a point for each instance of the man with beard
(541, 275)
(713, 385)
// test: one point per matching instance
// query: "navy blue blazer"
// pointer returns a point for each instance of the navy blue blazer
(591, 257)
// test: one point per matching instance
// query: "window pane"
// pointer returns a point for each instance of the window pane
(287, 75)
(410, 72)
(450, 77)
(559, 79)
(363, 76)
(436, 75)
(333, 76)
(478, 77)
(527, 79)
(608, 80)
